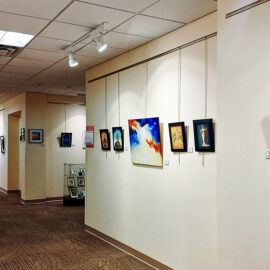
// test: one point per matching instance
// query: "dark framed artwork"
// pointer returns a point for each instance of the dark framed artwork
(81, 181)
(118, 139)
(22, 136)
(105, 139)
(2, 144)
(178, 137)
(204, 135)
(73, 191)
(71, 182)
(35, 136)
(66, 139)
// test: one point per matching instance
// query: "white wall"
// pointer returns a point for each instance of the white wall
(62, 118)
(243, 137)
(167, 213)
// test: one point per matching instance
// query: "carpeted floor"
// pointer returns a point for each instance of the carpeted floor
(51, 236)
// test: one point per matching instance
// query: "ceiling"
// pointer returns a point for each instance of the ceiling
(42, 65)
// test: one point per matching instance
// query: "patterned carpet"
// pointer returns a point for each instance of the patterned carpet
(51, 236)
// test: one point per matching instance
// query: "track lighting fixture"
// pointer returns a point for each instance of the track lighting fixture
(96, 35)
(101, 45)
(71, 57)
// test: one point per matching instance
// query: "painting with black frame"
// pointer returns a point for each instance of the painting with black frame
(105, 139)
(178, 137)
(118, 139)
(3, 146)
(66, 139)
(204, 135)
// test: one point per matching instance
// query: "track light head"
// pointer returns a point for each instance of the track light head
(101, 45)
(72, 60)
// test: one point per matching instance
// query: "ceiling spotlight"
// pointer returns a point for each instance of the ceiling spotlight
(72, 60)
(101, 45)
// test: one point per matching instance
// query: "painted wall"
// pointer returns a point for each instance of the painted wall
(41, 175)
(167, 213)
(243, 137)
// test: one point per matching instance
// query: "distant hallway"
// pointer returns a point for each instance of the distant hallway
(51, 236)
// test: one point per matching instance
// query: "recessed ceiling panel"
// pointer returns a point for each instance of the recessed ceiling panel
(21, 24)
(21, 69)
(41, 55)
(37, 8)
(92, 16)
(65, 31)
(128, 5)
(22, 62)
(148, 26)
(181, 10)
(48, 44)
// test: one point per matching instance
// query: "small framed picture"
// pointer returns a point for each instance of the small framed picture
(73, 191)
(3, 146)
(118, 139)
(178, 137)
(81, 181)
(105, 139)
(71, 182)
(204, 135)
(66, 139)
(35, 135)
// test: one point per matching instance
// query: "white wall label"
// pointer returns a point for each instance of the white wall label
(190, 150)
(267, 154)
(167, 162)
(126, 148)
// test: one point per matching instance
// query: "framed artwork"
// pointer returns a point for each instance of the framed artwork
(81, 181)
(22, 136)
(178, 137)
(204, 135)
(71, 182)
(2, 144)
(145, 143)
(105, 139)
(89, 139)
(66, 139)
(35, 135)
(73, 191)
(118, 139)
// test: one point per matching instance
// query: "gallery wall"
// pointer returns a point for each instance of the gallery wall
(41, 170)
(167, 213)
(243, 136)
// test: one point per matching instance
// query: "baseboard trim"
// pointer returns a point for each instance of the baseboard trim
(135, 253)
(3, 190)
(14, 192)
(37, 201)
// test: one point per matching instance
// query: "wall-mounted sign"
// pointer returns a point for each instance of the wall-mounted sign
(89, 138)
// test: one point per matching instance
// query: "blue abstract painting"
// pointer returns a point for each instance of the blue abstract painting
(145, 144)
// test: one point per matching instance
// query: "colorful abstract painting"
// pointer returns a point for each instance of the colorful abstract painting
(145, 144)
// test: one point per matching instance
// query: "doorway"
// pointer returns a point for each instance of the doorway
(13, 152)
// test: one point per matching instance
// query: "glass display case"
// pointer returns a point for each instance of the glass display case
(74, 184)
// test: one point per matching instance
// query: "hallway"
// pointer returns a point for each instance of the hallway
(50, 236)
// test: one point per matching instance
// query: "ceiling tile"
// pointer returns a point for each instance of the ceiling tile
(57, 91)
(22, 24)
(84, 62)
(124, 41)
(65, 31)
(22, 62)
(4, 60)
(20, 69)
(41, 55)
(181, 10)
(48, 44)
(148, 26)
(37, 8)
(128, 5)
(92, 16)
(91, 50)
(12, 77)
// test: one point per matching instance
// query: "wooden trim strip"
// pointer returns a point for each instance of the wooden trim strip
(156, 56)
(3, 190)
(245, 8)
(14, 192)
(128, 249)
(50, 199)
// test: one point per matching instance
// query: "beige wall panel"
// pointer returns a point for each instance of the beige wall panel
(243, 137)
